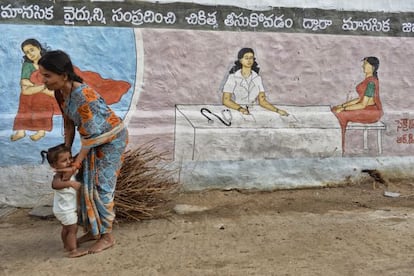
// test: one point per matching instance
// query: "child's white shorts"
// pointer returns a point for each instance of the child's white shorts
(67, 218)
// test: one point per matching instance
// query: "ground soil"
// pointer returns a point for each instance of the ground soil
(352, 229)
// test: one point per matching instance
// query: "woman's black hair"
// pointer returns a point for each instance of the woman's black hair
(37, 44)
(59, 62)
(52, 153)
(374, 61)
(237, 65)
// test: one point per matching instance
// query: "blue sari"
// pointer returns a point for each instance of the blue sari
(103, 132)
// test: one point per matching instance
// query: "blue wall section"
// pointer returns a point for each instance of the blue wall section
(108, 51)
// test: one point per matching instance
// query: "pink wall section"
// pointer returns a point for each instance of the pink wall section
(187, 67)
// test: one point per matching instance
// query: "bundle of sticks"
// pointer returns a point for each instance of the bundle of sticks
(144, 185)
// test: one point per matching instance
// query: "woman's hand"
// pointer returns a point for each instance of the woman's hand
(338, 108)
(243, 111)
(71, 170)
(68, 170)
(75, 185)
(282, 112)
(48, 92)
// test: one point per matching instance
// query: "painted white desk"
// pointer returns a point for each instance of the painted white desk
(308, 132)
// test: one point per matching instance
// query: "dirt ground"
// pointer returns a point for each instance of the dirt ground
(347, 230)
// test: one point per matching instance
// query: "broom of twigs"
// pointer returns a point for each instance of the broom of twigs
(144, 185)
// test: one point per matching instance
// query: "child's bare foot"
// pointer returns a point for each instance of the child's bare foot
(102, 244)
(77, 253)
(85, 238)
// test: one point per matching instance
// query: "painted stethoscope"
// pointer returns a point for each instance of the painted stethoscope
(226, 113)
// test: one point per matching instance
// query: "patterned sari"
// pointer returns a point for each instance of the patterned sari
(106, 137)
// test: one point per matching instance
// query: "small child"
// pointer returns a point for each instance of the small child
(65, 197)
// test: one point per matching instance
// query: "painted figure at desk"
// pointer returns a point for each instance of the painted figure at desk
(367, 108)
(244, 85)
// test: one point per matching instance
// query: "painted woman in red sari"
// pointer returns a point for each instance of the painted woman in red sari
(37, 104)
(367, 108)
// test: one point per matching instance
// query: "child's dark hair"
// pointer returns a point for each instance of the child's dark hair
(52, 153)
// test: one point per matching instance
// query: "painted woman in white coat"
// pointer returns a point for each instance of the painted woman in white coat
(244, 85)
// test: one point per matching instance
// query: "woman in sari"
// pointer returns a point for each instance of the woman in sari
(103, 141)
(367, 108)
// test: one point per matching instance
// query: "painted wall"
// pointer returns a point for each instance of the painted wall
(175, 60)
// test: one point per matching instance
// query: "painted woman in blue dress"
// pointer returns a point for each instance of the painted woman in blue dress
(103, 141)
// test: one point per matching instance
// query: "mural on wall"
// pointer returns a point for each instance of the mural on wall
(37, 104)
(292, 109)
(244, 85)
(252, 127)
(243, 91)
(367, 108)
(29, 109)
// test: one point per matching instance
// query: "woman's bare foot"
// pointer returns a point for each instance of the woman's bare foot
(85, 238)
(38, 135)
(18, 135)
(106, 241)
(77, 253)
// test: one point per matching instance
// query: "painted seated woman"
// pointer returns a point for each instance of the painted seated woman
(367, 108)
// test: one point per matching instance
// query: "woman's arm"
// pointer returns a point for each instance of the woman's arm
(79, 158)
(341, 107)
(227, 101)
(265, 104)
(353, 105)
(368, 98)
(351, 102)
(58, 183)
(69, 127)
(29, 88)
(358, 105)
